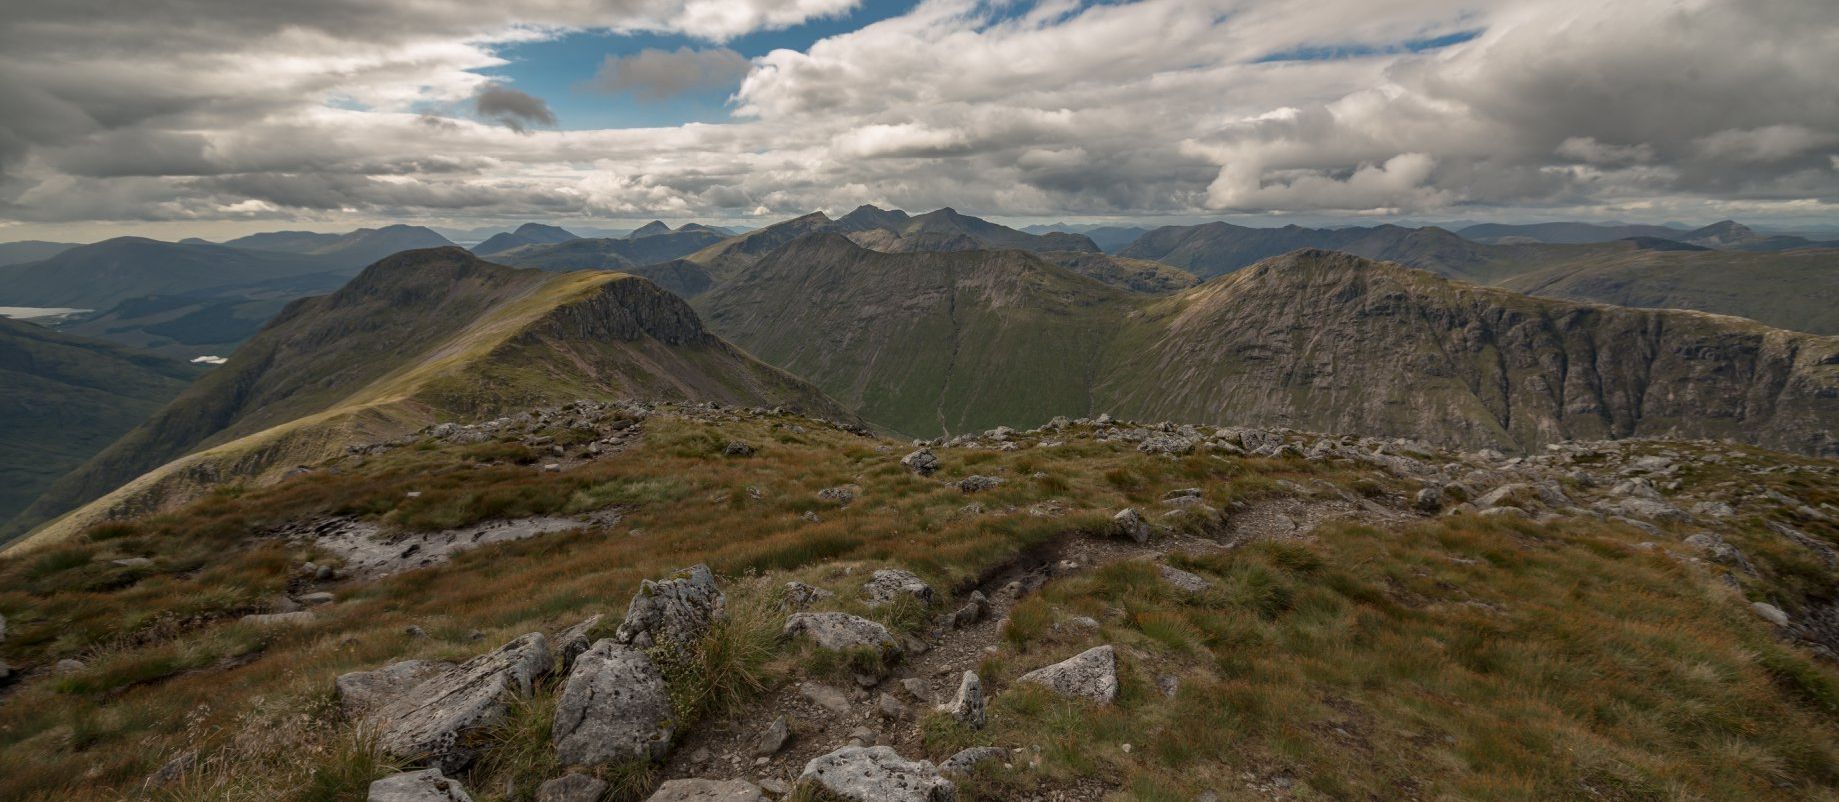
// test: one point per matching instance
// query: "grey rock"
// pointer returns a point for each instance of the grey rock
(678, 610)
(571, 642)
(798, 596)
(773, 739)
(1091, 674)
(975, 608)
(67, 666)
(738, 449)
(1190, 582)
(614, 707)
(361, 691)
(296, 619)
(978, 483)
(1130, 523)
(1651, 509)
(427, 785)
(317, 599)
(840, 632)
(889, 707)
(967, 705)
(967, 760)
(826, 697)
(1428, 499)
(890, 584)
(916, 688)
(132, 562)
(1770, 613)
(699, 790)
(441, 719)
(841, 495)
(922, 462)
(572, 788)
(876, 774)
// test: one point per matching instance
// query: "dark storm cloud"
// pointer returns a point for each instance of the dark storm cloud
(511, 108)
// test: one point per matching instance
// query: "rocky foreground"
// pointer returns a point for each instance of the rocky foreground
(911, 620)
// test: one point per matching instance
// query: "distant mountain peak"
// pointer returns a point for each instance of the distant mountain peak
(650, 229)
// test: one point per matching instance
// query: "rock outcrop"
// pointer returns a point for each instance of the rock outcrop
(678, 610)
(440, 719)
(876, 774)
(427, 785)
(615, 706)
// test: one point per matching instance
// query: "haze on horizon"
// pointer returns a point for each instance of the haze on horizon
(219, 117)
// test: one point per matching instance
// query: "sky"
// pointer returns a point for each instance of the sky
(173, 118)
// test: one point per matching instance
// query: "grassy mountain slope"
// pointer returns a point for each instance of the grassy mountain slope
(1330, 341)
(1564, 233)
(922, 342)
(1340, 644)
(1214, 249)
(416, 337)
(611, 254)
(1136, 275)
(730, 257)
(1791, 289)
(64, 398)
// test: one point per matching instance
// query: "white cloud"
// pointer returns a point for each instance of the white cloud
(1662, 108)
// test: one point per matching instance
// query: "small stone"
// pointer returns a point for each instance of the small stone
(1130, 523)
(889, 707)
(571, 788)
(1770, 613)
(826, 697)
(841, 495)
(978, 483)
(738, 449)
(1429, 499)
(774, 738)
(132, 562)
(798, 596)
(916, 688)
(967, 760)
(301, 618)
(862, 736)
(1184, 580)
(701, 790)
(317, 599)
(427, 785)
(967, 706)
(324, 573)
(890, 584)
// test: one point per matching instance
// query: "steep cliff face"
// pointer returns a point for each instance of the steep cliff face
(1331, 341)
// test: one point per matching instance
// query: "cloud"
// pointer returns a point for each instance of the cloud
(1644, 109)
(511, 108)
(656, 74)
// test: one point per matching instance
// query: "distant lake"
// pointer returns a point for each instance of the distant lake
(31, 312)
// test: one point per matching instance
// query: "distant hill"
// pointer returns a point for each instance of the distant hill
(64, 398)
(1110, 239)
(415, 337)
(613, 254)
(526, 234)
(1562, 233)
(1791, 290)
(1734, 236)
(13, 253)
(1215, 249)
(948, 342)
(947, 230)
(106, 273)
(350, 251)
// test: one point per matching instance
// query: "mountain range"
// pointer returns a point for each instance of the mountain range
(951, 342)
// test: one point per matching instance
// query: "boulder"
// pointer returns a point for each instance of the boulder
(738, 449)
(571, 642)
(361, 691)
(890, 584)
(675, 610)
(841, 632)
(427, 785)
(1091, 674)
(975, 608)
(967, 760)
(876, 774)
(441, 719)
(1183, 580)
(1650, 509)
(572, 788)
(697, 790)
(922, 462)
(967, 705)
(1770, 613)
(1130, 523)
(614, 707)
(1428, 499)
(840, 496)
(978, 483)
